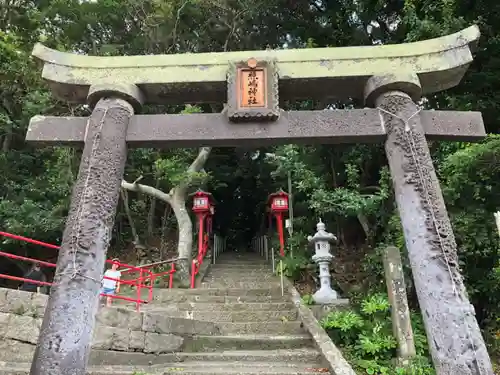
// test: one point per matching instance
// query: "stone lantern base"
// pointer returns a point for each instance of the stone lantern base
(325, 295)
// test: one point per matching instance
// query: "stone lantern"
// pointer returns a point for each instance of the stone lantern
(321, 242)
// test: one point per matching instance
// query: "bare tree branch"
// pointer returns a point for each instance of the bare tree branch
(146, 189)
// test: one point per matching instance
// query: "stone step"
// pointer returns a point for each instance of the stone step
(255, 284)
(107, 358)
(269, 290)
(231, 316)
(241, 276)
(193, 368)
(264, 283)
(217, 343)
(241, 271)
(235, 265)
(242, 260)
(272, 328)
(237, 367)
(239, 263)
(219, 295)
(222, 299)
(240, 256)
(203, 306)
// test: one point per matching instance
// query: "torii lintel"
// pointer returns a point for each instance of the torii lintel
(314, 73)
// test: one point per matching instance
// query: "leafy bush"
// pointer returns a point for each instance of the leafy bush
(307, 299)
(365, 335)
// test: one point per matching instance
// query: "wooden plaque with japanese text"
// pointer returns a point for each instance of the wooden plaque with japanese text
(253, 91)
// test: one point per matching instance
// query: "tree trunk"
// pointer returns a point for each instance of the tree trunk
(131, 222)
(140, 249)
(185, 242)
(6, 142)
(151, 214)
(363, 221)
(163, 247)
(177, 199)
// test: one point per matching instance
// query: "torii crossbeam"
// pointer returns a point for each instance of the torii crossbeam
(253, 84)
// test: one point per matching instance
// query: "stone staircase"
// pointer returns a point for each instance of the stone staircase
(259, 330)
(237, 322)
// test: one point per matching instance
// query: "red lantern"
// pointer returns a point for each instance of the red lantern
(203, 207)
(279, 205)
(279, 201)
(201, 202)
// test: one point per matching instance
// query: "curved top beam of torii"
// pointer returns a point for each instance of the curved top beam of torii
(315, 73)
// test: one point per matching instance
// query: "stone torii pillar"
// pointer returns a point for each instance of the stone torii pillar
(66, 333)
(455, 340)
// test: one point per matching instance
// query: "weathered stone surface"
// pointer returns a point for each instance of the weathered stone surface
(111, 338)
(400, 312)
(4, 321)
(455, 340)
(3, 298)
(262, 328)
(136, 341)
(164, 324)
(256, 348)
(38, 305)
(23, 328)
(213, 129)
(235, 316)
(304, 73)
(119, 317)
(160, 343)
(262, 97)
(66, 334)
(15, 301)
(332, 354)
(16, 351)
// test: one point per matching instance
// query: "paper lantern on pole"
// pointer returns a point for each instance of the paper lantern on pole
(201, 202)
(279, 201)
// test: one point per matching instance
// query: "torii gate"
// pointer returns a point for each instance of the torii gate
(390, 78)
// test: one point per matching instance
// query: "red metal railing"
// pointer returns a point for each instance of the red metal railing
(139, 283)
(154, 276)
(198, 261)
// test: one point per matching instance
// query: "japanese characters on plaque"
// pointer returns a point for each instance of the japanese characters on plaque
(253, 91)
(252, 88)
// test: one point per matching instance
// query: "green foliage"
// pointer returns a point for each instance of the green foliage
(365, 336)
(293, 266)
(307, 299)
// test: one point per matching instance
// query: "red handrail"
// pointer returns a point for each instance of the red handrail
(28, 240)
(155, 275)
(198, 262)
(139, 282)
(161, 274)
